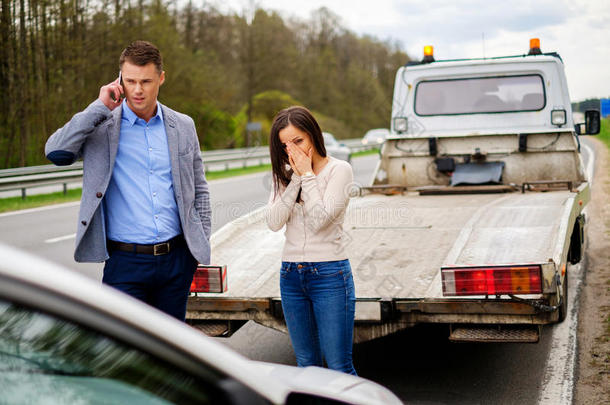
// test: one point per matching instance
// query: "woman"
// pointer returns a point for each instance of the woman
(310, 196)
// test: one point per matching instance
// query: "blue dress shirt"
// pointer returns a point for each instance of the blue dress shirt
(139, 205)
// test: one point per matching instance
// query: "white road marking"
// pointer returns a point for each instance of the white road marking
(39, 209)
(558, 379)
(60, 238)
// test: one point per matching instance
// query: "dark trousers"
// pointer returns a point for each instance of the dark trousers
(162, 281)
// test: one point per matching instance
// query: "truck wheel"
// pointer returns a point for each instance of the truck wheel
(563, 308)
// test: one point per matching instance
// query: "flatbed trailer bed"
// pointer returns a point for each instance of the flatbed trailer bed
(397, 245)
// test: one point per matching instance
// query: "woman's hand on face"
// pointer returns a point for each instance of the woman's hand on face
(300, 161)
(294, 168)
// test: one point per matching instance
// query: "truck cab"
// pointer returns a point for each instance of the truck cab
(514, 110)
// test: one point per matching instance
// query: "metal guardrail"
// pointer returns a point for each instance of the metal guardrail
(22, 178)
(38, 180)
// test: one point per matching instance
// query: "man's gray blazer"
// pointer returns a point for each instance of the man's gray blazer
(93, 134)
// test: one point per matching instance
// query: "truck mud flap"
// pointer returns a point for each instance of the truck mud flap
(495, 333)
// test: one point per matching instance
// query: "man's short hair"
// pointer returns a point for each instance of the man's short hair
(141, 53)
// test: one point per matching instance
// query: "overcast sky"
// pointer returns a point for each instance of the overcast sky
(578, 30)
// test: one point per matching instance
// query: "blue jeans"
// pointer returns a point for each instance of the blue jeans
(161, 281)
(319, 303)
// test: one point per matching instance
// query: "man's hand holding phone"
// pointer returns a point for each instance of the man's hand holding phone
(112, 94)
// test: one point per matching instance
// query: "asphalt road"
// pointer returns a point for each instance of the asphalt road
(49, 231)
(419, 364)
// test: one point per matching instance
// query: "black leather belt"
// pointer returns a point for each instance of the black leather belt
(156, 249)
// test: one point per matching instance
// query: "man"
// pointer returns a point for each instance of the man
(145, 206)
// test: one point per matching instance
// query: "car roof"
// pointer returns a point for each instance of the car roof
(39, 275)
(377, 130)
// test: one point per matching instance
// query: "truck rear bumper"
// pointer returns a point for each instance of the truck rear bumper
(377, 318)
(473, 311)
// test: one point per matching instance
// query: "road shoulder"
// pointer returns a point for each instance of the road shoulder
(593, 366)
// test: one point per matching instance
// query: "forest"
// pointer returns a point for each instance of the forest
(222, 69)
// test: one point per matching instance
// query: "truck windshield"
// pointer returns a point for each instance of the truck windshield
(480, 95)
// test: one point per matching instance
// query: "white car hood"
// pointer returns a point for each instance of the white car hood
(329, 383)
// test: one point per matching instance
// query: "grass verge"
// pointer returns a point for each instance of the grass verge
(365, 152)
(240, 171)
(38, 200)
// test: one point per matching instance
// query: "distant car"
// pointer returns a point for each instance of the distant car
(375, 136)
(65, 338)
(336, 149)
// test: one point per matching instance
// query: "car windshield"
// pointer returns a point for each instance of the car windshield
(45, 359)
(480, 95)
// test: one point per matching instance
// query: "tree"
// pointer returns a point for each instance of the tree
(219, 67)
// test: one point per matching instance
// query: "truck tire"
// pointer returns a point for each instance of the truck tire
(577, 240)
(563, 308)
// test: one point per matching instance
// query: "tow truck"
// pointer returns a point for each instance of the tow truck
(472, 218)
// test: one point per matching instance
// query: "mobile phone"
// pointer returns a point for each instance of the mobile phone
(121, 83)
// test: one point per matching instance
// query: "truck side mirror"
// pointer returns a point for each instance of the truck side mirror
(592, 122)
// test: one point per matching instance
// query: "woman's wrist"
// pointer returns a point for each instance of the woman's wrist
(304, 168)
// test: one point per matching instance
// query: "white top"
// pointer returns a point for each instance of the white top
(314, 227)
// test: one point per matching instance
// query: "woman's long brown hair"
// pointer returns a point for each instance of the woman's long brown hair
(298, 117)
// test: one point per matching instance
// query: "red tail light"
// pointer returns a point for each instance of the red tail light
(491, 280)
(211, 279)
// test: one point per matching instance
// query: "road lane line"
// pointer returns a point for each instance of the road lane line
(558, 379)
(60, 238)
(39, 209)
